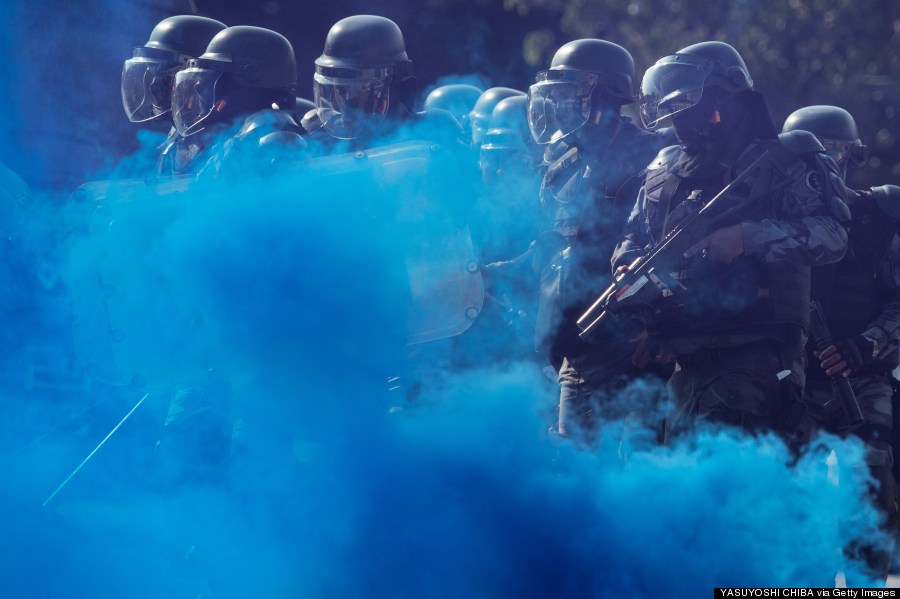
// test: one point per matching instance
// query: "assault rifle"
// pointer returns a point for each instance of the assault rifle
(649, 278)
(841, 385)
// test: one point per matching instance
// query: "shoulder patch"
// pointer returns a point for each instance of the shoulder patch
(814, 182)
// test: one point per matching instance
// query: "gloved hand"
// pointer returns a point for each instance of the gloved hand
(847, 355)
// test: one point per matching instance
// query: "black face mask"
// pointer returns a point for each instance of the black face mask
(694, 126)
(713, 133)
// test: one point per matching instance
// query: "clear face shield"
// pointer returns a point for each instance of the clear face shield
(350, 102)
(559, 103)
(194, 95)
(147, 80)
(672, 87)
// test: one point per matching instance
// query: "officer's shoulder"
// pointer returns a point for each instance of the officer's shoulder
(268, 129)
(266, 121)
(553, 151)
(887, 198)
(440, 121)
(438, 116)
(664, 157)
(800, 142)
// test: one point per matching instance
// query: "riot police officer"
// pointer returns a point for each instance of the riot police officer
(860, 298)
(365, 88)
(737, 311)
(456, 98)
(149, 76)
(246, 81)
(508, 217)
(224, 100)
(479, 118)
(592, 153)
(506, 220)
(835, 128)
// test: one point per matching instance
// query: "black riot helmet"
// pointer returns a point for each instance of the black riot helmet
(508, 129)
(507, 146)
(244, 69)
(456, 98)
(677, 82)
(835, 128)
(480, 116)
(363, 73)
(148, 76)
(585, 76)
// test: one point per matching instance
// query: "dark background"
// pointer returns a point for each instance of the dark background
(64, 123)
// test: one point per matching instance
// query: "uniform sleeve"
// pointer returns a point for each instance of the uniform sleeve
(636, 238)
(801, 228)
(885, 329)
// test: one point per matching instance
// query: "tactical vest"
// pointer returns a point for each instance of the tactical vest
(851, 292)
(747, 298)
(578, 185)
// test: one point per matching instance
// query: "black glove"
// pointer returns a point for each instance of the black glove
(855, 352)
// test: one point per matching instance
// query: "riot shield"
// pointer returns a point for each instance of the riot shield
(134, 323)
(418, 185)
(113, 317)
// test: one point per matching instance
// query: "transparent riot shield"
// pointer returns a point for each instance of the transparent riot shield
(135, 323)
(422, 191)
(115, 320)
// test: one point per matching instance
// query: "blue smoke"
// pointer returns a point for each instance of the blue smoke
(283, 294)
(290, 443)
(61, 66)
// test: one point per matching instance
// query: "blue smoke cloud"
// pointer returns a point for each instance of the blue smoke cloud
(284, 296)
(291, 444)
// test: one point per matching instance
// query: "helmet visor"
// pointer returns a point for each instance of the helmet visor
(670, 88)
(559, 103)
(147, 87)
(348, 106)
(194, 97)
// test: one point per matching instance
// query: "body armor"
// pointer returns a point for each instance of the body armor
(747, 299)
